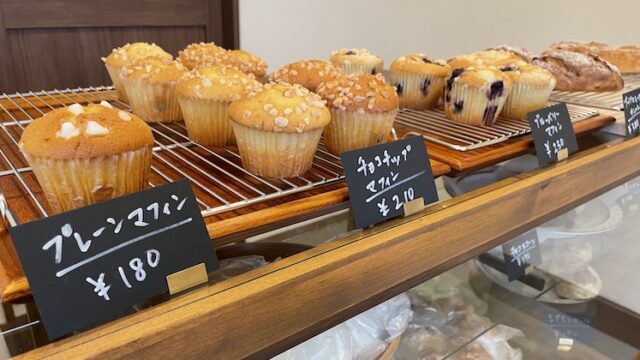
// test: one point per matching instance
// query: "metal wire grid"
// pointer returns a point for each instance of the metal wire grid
(607, 99)
(219, 181)
(435, 127)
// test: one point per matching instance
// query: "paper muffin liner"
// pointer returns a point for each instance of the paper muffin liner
(350, 130)
(419, 91)
(73, 183)
(114, 74)
(207, 121)
(153, 102)
(352, 68)
(477, 108)
(276, 154)
(525, 98)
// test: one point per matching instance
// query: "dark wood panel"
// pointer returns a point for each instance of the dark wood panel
(62, 58)
(31, 14)
(7, 78)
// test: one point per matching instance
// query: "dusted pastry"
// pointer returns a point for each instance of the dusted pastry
(308, 73)
(522, 53)
(363, 108)
(277, 128)
(198, 54)
(625, 58)
(532, 86)
(575, 71)
(151, 86)
(353, 61)
(244, 61)
(476, 95)
(130, 53)
(419, 80)
(497, 58)
(85, 154)
(204, 95)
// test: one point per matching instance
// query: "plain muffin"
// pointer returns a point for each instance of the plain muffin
(308, 73)
(198, 54)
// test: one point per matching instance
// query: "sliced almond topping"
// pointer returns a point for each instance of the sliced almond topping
(123, 115)
(281, 121)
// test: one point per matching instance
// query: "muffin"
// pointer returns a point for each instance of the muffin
(530, 91)
(129, 53)
(151, 86)
(204, 95)
(475, 95)
(277, 128)
(198, 54)
(353, 61)
(419, 80)
(85, 154)
(486, 58)
(244, 61)
(363, 108)
(308, 73)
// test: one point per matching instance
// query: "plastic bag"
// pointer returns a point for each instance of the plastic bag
(363, 337)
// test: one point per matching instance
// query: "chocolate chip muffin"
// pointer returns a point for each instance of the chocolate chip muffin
(278, 128)
(126, 54)
(151, 86)
(85, 154)
(475, 95)
(363, 108)
(308, 73)
(532, 86)
(353, 61)
(198, 54)
(204, 95)
(419, 80)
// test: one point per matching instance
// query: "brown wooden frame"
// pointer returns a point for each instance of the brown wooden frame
(264, 312)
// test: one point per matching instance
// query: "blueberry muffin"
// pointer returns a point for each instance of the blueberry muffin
(475, 95)
(353, 61)
(530, 91)
(363, 108)
(198, 54)
(204, 95)
(308, 73)
(244, 61)
(151, 86)
(126, 54)
(486, 58)
(85, 154)
(419, 80)
(278, 128)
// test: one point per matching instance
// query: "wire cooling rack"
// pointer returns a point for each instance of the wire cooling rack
(606, 99)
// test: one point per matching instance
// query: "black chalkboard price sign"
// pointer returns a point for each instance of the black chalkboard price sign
(90, 265)
(631, 101)
(552, 132)
(520, 253)
(382, 178)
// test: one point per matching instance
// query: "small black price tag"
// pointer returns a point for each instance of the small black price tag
(382, 178)
(520, 253)
(552, 133)
(631, 101)
(90, 265)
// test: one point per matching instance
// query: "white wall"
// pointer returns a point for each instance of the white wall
(282, 31)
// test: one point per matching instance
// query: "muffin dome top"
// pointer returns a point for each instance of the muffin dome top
(153, 69)
(85, 132)
(486, 58)
(133, 52)
(243, 60)
(488, 77)
(530, 74)
(420, 63)
(198, 54)
(280, 108)
(363, 56)
(360, 92)
(308, 73)
(215, 82)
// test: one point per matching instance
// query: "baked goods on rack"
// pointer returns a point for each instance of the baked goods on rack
(198, 54)
(204, 95)
(244, 61)
(150, 84)
(85, 154)
(532, 86)
(626, 58)
(576, 71)
(363, 108)
(126, 54)
(308, 73)
(476, 95)
(497, 58)
(278, 128)
(353, 61)
(419, 80)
